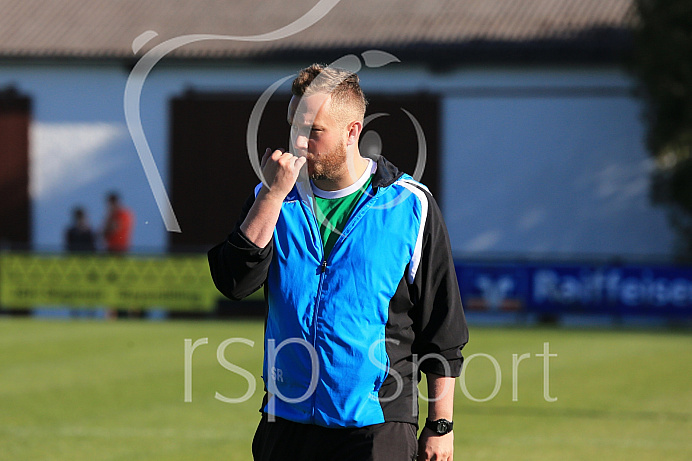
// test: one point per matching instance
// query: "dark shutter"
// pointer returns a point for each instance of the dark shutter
(211, 175)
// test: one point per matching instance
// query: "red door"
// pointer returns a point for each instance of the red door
(15, 205)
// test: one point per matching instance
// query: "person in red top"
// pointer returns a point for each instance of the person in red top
(117, 230)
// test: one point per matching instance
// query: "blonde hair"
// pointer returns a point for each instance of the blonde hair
(348, 100)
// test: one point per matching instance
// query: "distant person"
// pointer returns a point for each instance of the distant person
(117, 230)
(80, 236)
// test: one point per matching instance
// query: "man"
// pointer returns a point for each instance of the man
(117, 229)
(79, 237)
(360, 286)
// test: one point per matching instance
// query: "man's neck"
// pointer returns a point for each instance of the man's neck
(354, 170)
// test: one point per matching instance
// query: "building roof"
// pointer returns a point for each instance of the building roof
(439, 30)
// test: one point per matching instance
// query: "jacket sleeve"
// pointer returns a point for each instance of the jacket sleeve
(439, 322)
(238, 266)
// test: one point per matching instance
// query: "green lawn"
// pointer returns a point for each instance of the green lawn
(115, 390)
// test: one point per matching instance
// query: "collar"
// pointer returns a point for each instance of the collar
(386, 174)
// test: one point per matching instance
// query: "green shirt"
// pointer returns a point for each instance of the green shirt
(333, 213)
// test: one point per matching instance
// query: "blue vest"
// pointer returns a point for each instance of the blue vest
(325, 345)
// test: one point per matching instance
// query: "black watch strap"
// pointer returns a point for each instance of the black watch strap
(439, 426)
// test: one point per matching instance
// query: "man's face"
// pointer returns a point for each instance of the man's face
(317, 135)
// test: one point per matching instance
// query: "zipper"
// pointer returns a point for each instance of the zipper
(321, 271)
(322, 268)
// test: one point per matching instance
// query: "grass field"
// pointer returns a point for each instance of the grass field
(90, 390)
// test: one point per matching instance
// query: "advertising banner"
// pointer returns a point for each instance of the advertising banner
(126, 282)
(612, 289)
(547, 288)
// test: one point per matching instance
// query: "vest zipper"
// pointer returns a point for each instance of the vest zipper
(322, 268)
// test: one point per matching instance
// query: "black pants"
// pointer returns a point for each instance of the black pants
(284, 440)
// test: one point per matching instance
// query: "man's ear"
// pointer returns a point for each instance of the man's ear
(354, 129)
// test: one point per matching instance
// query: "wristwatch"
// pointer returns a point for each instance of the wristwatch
(440, 426)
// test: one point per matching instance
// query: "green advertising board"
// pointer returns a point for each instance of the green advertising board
(125, 282)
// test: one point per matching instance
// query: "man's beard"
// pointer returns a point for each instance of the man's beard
(329, 166)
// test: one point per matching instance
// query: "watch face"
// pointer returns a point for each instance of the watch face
(442, 427)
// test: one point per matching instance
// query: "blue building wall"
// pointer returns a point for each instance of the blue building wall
(535, 161)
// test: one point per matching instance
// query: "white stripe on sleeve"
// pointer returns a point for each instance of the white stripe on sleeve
(413, 187)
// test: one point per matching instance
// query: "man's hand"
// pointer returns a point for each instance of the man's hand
(433, 447)
(280, 170)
